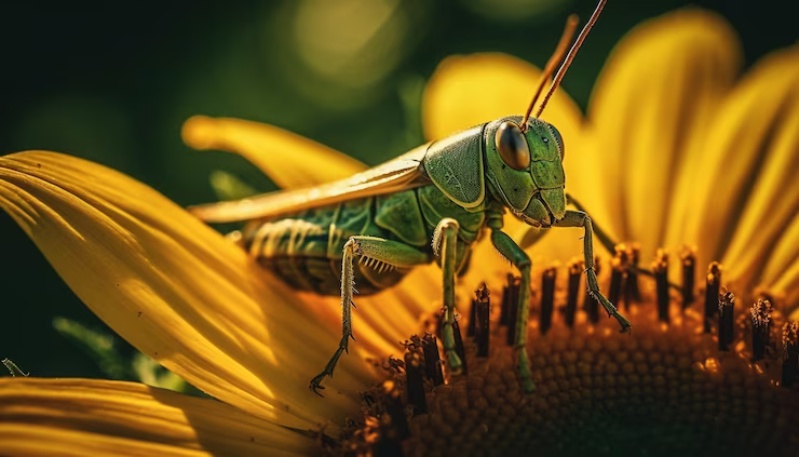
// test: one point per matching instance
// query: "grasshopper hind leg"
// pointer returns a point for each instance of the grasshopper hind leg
(384, 253)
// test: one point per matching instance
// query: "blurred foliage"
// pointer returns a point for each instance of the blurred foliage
(114, 83)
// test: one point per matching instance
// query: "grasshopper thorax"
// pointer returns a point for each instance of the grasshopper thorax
(524, 169)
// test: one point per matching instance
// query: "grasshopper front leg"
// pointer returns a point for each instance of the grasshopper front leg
(445, 245)
(511, 251)
(602, 236)
(387, 252)
(610, 244)
(581, 219)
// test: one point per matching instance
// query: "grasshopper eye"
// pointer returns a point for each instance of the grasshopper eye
(512, 146)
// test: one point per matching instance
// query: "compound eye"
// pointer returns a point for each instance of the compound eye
(512, 146)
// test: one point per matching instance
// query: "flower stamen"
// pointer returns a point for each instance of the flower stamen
(482, 305)
(632, 294)
(395, 425)
(414, 382)
(575, 272)
(432, 361)
(547, 299)
(688, 262)
(761, 328)
(660, 267)
(510, 304)
(712, 289)
(790, 354)
(618, 272)
(726, 326)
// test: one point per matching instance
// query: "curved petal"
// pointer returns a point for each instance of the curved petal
(78, 417)
(661, 86)
(177, 290)
(288, 159)
(757, 150)
(750, 136)
(472, 89)
(780, 275)
(783, 257)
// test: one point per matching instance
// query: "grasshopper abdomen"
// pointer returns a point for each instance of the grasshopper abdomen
(305, 249)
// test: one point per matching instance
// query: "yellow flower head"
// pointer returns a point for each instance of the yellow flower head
(675, 149)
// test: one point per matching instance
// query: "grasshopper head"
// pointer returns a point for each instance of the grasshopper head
(525, 169)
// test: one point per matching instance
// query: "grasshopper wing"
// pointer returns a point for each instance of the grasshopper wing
(404, 172)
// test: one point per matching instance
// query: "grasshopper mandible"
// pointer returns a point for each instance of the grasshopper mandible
(447, 191)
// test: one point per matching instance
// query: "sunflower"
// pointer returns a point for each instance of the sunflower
(675, 149)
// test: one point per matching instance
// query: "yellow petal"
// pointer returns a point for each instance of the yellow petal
(288, 159)
(782, 262)
(649, 108)
(177, 290)
(781, 272)
(472, 89)
(80, 417)
(787, 289)
(746, 188)
(759, 173)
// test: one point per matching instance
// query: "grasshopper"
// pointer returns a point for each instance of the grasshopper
(448, 191)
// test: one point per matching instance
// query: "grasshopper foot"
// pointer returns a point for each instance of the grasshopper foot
(613, 312)
(454, 362)
(625, 324)
(316, 383)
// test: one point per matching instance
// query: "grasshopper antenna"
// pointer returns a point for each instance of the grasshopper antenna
(570, 56)
(557, 56)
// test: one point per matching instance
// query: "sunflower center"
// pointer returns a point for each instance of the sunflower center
(704, 380)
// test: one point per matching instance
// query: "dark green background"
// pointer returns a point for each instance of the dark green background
(114, 84)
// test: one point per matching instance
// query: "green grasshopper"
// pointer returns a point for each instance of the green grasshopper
(449, 191)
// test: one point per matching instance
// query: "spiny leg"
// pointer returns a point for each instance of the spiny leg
(386, 252)
(511, 251)
(445, 239)
(580, 219)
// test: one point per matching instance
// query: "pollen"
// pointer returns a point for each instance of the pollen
(713, 378)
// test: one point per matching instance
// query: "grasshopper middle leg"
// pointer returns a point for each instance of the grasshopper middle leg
(384, 251)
